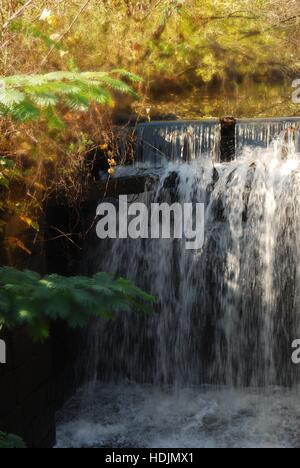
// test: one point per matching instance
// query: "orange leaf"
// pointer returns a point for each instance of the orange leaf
(16, 243)
(39, 186)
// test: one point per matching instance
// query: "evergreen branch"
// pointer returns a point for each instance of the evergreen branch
(27, 97)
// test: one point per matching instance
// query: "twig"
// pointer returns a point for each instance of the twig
(152, 9)
(65, 33)
(270, 28)
(64, 235)
(17, 14)
(4, 44)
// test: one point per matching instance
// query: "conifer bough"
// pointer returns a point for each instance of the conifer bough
(31, 97)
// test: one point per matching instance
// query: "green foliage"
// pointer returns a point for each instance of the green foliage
(32, 31)
(30, 97)
(26, 298)
(9, 441)
(183, 41)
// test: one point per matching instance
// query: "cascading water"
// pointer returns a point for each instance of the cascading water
(262, 133)
(213, 366)
(159, 142)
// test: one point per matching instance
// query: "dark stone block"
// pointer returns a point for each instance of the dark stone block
(50, 439)
(66, 344)
(43, 426)
(22, 347)
(31, 375)
(8, 394)
(35, 381)
(34, 406)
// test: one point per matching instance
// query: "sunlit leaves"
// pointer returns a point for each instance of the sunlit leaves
(178, 35)
(44, 99)
(129, 75)
(23, 97)
(10, 97)
(24, 111)
(30, 30)
(77, 102)
(53, 119)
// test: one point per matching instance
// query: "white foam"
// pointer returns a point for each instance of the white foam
(133, 416)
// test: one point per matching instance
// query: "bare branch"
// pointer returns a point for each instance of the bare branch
(65, 33)
(17, 14)
(271, 28)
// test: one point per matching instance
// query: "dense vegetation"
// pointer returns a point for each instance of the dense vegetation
(155, 38)
(58, 59)
(27, 299)
(42, 102)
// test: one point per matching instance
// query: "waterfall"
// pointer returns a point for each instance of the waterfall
(177, 141)
(228, 313)
(212, 367)
(262, 133)
(161, 142)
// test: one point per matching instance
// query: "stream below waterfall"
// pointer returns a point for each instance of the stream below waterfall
(213, 367)
(143, 416)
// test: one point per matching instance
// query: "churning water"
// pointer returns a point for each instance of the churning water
(212, 367)
(134, 416)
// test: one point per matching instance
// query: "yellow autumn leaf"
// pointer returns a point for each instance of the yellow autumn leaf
(72, 116)
(23, 148)
(39, 186)
(52, 20)
(16, 243)
(32, 224)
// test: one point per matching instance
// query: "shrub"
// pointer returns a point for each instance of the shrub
(9, 441)
(28, 299)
